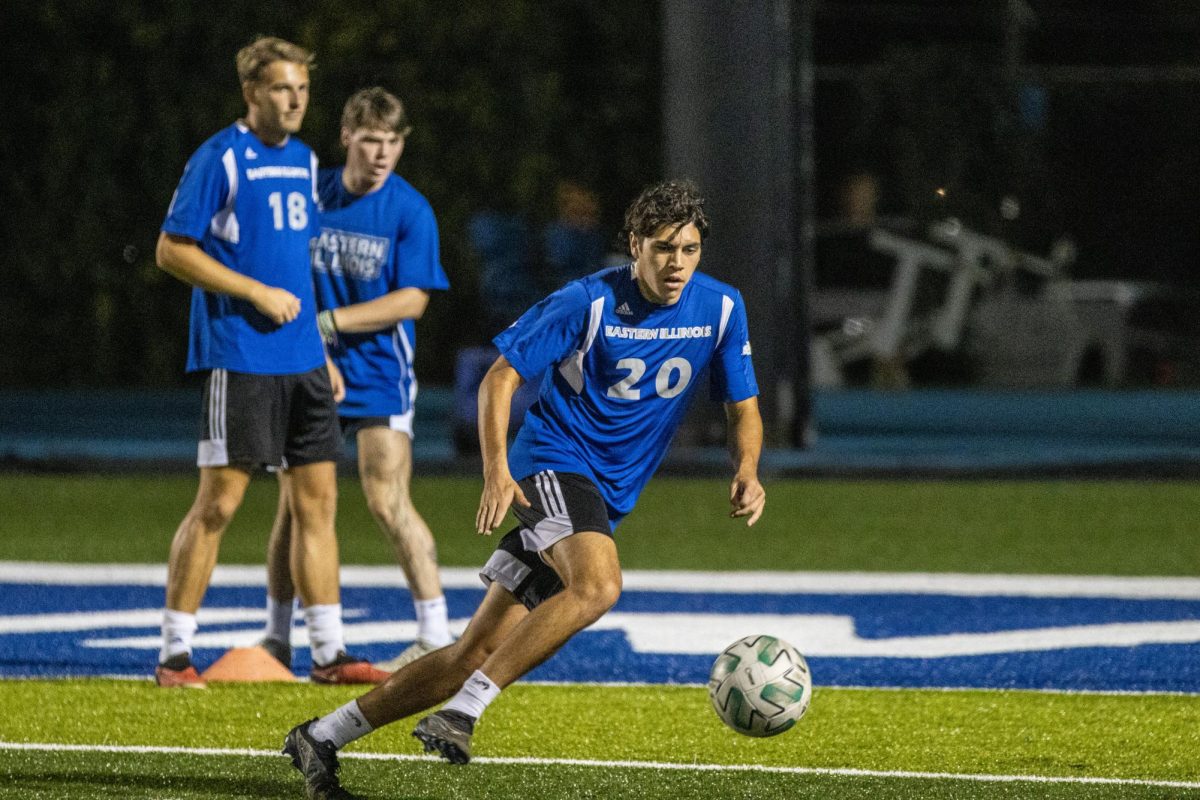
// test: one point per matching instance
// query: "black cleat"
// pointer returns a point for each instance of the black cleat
(317, 762)
(280, 650)
(447, 732)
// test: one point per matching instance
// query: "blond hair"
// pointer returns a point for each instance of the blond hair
(254, 57)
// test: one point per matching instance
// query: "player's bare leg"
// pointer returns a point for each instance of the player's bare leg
(436, 676)
(311, 490)
(385, 469)
(198, 538)
(281, 592)
(190, 565)
(279, 548)
(591, 575)
(590, 571)
(429, 680)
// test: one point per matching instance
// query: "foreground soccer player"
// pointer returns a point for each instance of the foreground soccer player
(620, 350)
(374, 263)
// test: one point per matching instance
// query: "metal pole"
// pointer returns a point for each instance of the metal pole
(803, 429)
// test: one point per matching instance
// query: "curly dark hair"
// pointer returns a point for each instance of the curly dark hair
(667, 203)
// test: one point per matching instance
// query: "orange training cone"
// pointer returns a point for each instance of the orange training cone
(247, 664)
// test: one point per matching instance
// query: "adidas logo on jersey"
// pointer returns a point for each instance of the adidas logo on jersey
(250, 154)
(746, 349)
(623, 310)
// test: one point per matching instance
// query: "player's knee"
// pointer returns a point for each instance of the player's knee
(215, 512)
(387, 512)
(315, 502)
(597, 595)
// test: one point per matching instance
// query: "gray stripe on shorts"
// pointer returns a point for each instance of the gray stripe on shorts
(217, 404)
(550, 504)
(557, 523)
(505, 569)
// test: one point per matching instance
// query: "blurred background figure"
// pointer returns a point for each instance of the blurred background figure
(572, 243)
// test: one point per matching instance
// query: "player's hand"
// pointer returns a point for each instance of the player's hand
(499, 492)
(747, 497)
(336, 381)
(278, 305)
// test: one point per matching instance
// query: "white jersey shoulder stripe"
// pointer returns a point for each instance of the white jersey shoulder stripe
(404, 354)
(315, 195)
(571, 367)
(225, 224)
(726, 310)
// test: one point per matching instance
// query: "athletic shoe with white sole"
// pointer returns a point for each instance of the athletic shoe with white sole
(447, 732)
(317, 762)
(410, 654)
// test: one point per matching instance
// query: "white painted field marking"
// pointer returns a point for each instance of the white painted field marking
(653, 765)
(127, 618)
(387, 631)
(834, 636)
(954, 584)
(820, 635)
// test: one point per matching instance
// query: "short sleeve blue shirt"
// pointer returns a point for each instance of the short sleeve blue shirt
(251, 207)
(370, 245)
(620, 373)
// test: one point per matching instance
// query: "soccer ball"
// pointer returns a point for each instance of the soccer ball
(760, 686)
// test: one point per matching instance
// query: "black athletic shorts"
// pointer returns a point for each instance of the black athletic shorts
(563, 503)
(396, 422)
(268, 420)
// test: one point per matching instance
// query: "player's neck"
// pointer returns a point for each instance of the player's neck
(270, 137)
(360, 185)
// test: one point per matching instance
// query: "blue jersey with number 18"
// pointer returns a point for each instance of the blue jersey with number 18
(620, 372)
(252, 207)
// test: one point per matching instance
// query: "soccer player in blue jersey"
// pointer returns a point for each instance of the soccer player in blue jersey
(620, 351)
(374, 262)
(238, 231)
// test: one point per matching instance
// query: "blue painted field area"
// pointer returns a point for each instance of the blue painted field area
(973, 631)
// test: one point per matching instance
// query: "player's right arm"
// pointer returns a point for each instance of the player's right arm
(746, 494)
(182, 257)
(495, 403)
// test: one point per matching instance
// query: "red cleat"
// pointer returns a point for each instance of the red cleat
(177, 672)
(347, 669)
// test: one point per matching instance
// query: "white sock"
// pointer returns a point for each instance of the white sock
(279, 619)
(474, 696)
(433, 624)
(324, 632)
(341, 726)
(178, 627)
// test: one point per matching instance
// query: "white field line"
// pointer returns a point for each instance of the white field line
(652, 765)
(957, 584)
(647, 685)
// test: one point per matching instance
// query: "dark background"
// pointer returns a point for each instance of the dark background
(1085, 112)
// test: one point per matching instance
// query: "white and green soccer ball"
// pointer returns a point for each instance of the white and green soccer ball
(760, 686)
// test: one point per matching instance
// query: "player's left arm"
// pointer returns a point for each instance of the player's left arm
(380, 313)
(746, 495)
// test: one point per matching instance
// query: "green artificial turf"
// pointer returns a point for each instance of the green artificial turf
(1109, 527)
(1143, 737)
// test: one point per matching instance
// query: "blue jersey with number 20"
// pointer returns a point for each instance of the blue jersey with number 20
(620, 372)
